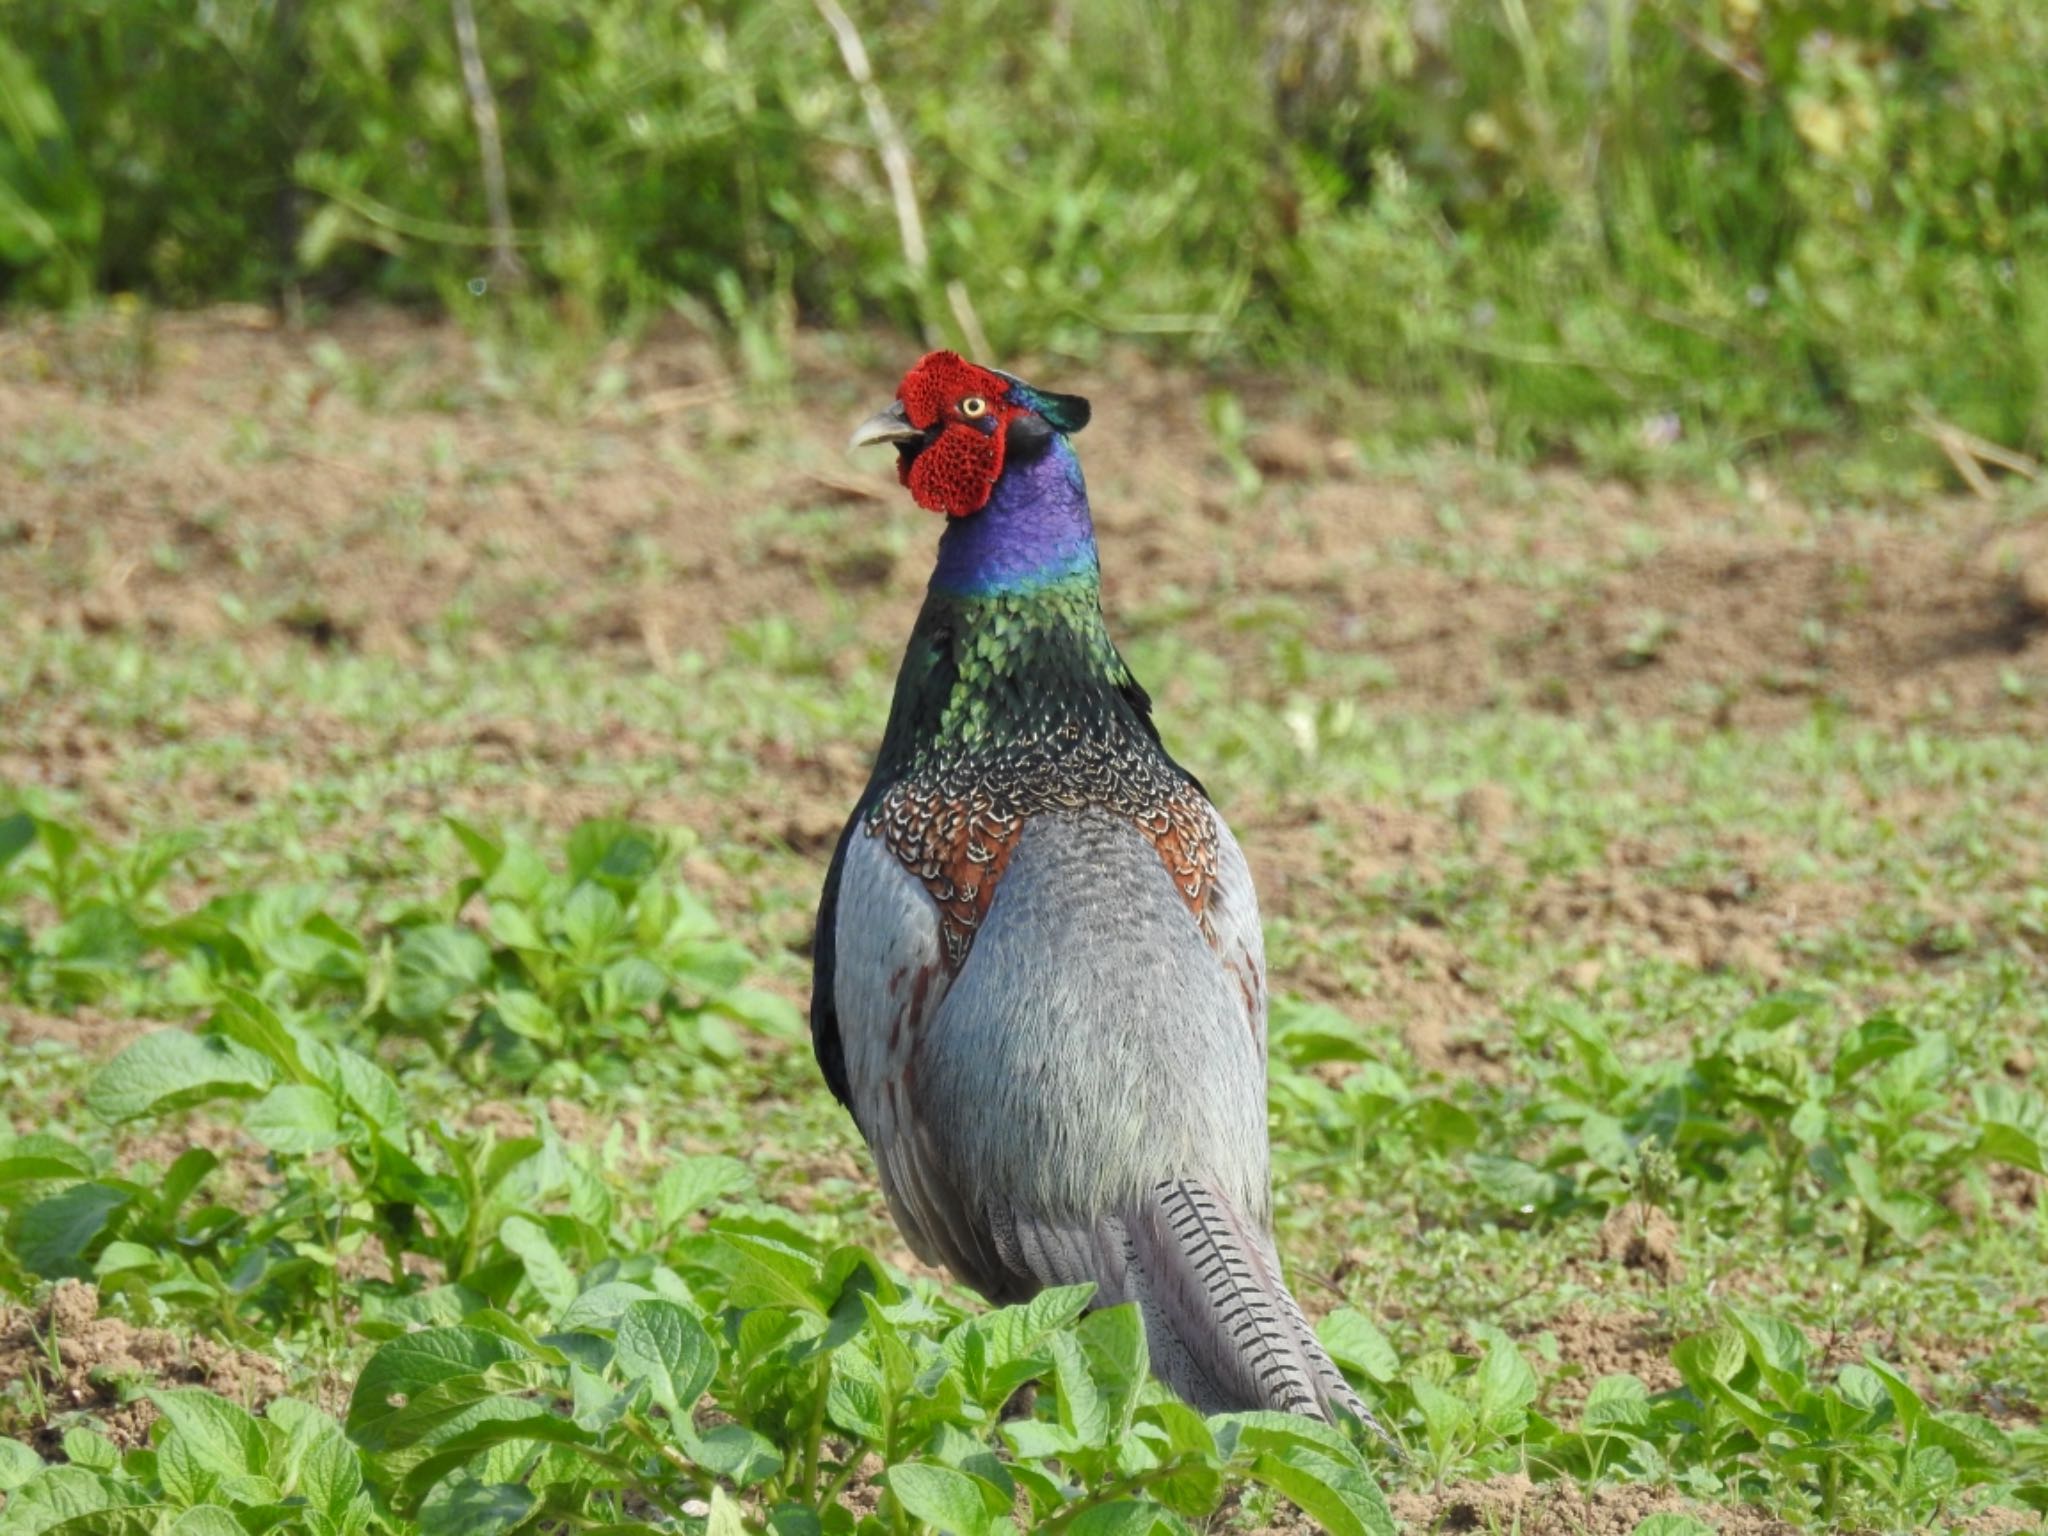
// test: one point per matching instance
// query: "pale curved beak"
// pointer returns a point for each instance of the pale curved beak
(890, 426)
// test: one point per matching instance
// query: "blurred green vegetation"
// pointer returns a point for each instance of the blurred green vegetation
(1596, 228)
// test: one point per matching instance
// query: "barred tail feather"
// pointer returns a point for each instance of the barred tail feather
(1224, 1331)
(1214, 1282)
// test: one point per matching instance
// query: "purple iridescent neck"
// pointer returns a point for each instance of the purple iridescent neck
(1034, 531)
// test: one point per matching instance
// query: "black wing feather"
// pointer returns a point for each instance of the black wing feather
(825, 1042)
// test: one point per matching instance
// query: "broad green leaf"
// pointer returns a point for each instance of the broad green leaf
(1184, 1432)
(1905, 1401)
(53, 1495)
(207, 1520)
(173, 1069)
(1513, 1183)
(853, 1400)
(52, 1237)
(118, 1257)
(521, 876)
(1356, 1342)
(1175, 1432)
(631, 983)
(1083, 1412)
(124, 1520)
(1617, 1402)
(295, 1119)
(2000, 1143)
(613, 853)
(1044, 1491)
(1716, 1355)
(1908, 1215)
(40, 1159)
(1304, 1033)
(17, 1465)
(87, 1447)
(729, 1450)
(688, 1186)
(1972, 1440)
(601, 1306)
(485, 851)
(1247, 1433)
(182, 1470)
(1778, 1347)
(761, 1011)
(1671, 1525)
(481, 1436)
(661, 1344)
(1015, 1332)
(1340, 1496)
(246, 1019)
(1446, 1419)
(1114, 1340)
(527, 1015)
(1506, 1388)
(1779, 1009)
(461, 1507)
(319, 1463)
(222, 1436)
(590, 919)
(1607, 1144)
(551, 1276)
(1930, 1474)
(1861, 1388)
(17, 833)
(954, 1502)
(2013, 1126)
(187, 1172)
(367, 1089)
(1877, 1038)
(1442, 1126)
(768, 1274)
(513, 926)
(954, 1447)
(436, 965)
(413, 1364)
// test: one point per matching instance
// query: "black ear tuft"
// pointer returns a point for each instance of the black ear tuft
(1069, 413)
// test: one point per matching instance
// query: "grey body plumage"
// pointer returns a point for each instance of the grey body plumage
(1045, 1002)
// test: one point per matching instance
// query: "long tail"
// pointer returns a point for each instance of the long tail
(1224, 1331)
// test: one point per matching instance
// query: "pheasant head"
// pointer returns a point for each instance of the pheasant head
(957, 425)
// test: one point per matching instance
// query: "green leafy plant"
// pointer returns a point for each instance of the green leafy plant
(1878, 1129)
(567, 977)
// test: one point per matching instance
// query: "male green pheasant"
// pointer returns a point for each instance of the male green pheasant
(1040, 983)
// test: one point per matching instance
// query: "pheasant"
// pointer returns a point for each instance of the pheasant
(1040, 981)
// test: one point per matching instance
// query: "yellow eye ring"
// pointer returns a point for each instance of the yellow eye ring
(973, 407)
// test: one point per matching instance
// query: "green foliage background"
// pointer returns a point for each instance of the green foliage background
(1540, 224)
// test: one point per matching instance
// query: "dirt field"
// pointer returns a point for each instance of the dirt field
(368, 490)
(352, 488)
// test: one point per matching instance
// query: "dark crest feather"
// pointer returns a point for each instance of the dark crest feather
(1066, 413)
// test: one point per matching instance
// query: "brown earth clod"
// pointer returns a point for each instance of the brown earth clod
(1642, 1239)
(83, 1362)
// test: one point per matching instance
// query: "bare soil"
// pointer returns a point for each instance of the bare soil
(80, 1362)
(1515, 1503)
(252, 477)
(85, 1030)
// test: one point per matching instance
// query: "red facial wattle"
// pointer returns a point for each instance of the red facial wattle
(955, 472)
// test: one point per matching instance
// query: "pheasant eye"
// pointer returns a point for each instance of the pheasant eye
(973, 407)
